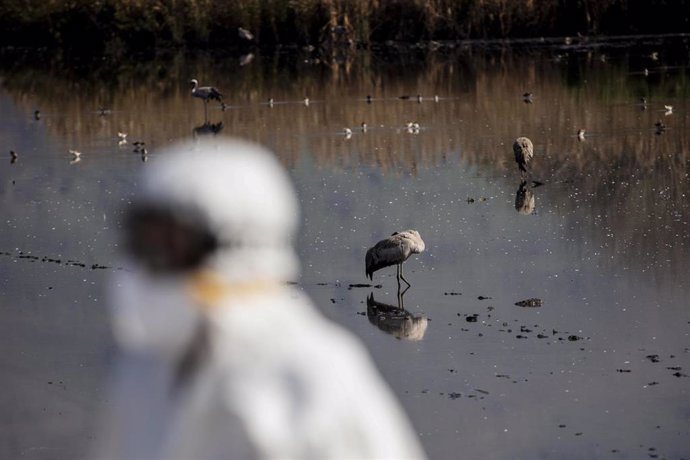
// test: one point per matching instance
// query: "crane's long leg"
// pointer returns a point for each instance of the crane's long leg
(397, 275)
(401, 298)
(401, 276)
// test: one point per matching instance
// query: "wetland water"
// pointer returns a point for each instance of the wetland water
(599, 370)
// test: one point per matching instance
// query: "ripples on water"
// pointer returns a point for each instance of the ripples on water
(599, 367)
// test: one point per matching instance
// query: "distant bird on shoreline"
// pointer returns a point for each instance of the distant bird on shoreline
(37, 115)
(76, 156)
(527, 98)
(394, 250)
(660, 127)
(580, 134)
(13, 157)
(524, 151)
(669, 109)
(412, 127)
(138, 146)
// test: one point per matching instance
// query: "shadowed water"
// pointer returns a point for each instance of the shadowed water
(598, 370)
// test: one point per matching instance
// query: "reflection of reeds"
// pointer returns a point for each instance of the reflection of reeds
(144, 24)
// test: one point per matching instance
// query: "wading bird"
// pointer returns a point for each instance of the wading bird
(207, 93)
(580, 134)
(13, 156)
(394, 250)
(523, 150)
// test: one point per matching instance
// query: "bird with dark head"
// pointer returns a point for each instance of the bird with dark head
(523, 150)
(394, 250)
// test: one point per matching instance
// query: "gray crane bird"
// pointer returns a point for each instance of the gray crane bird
(207, 93)
(523, 150)
(394, 250)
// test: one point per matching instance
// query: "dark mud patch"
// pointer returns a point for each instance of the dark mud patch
(530, 303)
(364, 285)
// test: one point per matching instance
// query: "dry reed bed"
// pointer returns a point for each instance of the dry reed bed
(148, 24)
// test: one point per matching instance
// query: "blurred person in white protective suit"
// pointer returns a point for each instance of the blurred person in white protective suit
(221, 357)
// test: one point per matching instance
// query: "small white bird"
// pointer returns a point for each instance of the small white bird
(364, 127)
(347, 132)
(270, 102)
(412, 127)
(669, 109)
(394, 250)
(244, 34)
(306, 101)
(76, 156)
(436, 98)
(580, 134)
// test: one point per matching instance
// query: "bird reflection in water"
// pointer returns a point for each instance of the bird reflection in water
(207, 128)
(396, 321)
(524, 197)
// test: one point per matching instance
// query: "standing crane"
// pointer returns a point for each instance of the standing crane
(207, 93)
(394, 250)
(523, 150)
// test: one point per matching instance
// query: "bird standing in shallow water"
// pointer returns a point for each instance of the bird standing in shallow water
(207, 93)
(394, 250)
(523, 150)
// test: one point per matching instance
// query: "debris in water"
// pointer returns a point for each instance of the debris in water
(531, 303)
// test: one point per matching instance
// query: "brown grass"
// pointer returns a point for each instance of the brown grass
(149, 24)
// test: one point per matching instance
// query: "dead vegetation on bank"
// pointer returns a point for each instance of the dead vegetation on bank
(150, 24)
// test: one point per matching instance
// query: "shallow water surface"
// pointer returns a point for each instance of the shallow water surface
(597, 368)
